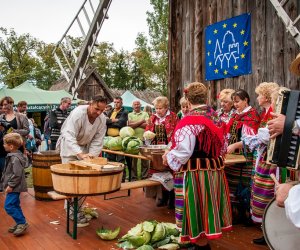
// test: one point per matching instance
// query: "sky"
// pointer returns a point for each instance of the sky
(48, 20)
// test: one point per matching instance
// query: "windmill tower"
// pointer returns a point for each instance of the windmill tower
(89, 20)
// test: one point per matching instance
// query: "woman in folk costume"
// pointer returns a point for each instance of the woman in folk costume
(227, 109)
(244, 122)
(162, 123)
(196, 156)
(262, 183)
(184, 108)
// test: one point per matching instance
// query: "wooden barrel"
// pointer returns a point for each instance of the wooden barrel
(75, 180)
(41, 173)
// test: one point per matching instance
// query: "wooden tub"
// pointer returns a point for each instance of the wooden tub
(41, 174)
(72, 179)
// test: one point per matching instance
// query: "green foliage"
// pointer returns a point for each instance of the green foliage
(23, 57)
(104, 53)
(158, 31)
(17, 57)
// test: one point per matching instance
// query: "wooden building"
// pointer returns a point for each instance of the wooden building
(273, 48)
(93, 85)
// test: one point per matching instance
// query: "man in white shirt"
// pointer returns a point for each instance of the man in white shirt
(83, 131)
(82, 137)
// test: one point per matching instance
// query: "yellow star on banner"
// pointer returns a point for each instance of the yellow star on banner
(245, 43)
(215, 31)
(225, 72)
(242, 32)
(209, 41)
(234, 25)
(216, 71)
(210, 63)
(243, 56)
(224, 25)
(235, 67)
(208, 53)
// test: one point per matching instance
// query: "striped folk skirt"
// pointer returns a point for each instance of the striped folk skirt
(202, 206)
(262, 190)
(235, 176)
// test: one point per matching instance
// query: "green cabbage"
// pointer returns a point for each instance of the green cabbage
(148, 226)
(148, 135)
(159, 233)
(115, 143)
(150, 235)
(126, 132)
(170, 246)
(131, 145)
(105, 141)
(106, 234)
(171, 229)
(145, 247)
(139, 240)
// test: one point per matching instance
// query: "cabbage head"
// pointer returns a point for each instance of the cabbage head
(131, 145)
(148, 135)
(106, 234)
(115, 143)
(126, 132)
(105, 141)
(159, 233)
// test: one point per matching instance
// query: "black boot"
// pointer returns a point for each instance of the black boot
(260, 241)
(164, 200)
(171, 203)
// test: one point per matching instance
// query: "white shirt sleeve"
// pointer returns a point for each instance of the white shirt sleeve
(96, 144)
(296, 128)
(184, 147)
(70, 131)
(292, 205)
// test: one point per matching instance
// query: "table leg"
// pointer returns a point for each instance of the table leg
(129, 165)
(73, 203)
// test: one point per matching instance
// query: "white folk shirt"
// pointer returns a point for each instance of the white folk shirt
(292, 205)
(78, 135)
(182, 152)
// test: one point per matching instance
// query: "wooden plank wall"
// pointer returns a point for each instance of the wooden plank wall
(273, 49)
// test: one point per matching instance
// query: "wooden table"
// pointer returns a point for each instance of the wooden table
(125, 154)
(229, 158)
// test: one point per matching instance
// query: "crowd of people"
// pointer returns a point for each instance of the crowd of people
(207, 196)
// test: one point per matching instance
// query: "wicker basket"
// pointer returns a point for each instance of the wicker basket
(72, 179)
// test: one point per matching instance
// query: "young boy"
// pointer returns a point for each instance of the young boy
(14, 183)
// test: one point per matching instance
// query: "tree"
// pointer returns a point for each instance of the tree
(103, 56)
(142, 68)
(120, 70)
(47, 70)
(158, 31)
(17, 57)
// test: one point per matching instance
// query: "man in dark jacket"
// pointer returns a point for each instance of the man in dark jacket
(117, 119)
(57, 118)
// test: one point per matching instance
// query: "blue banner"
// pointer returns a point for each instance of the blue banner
(228, 48)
